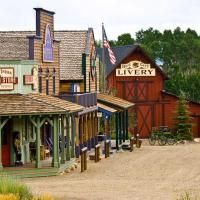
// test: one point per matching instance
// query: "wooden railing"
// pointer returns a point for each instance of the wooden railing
(83, 99)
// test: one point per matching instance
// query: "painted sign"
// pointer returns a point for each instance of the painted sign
(7, 79)
(48, 45)
(136, 68)
(32, 79)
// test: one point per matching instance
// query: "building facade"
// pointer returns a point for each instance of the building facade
(136, 78)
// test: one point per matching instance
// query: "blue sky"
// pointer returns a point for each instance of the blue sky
(119, 16)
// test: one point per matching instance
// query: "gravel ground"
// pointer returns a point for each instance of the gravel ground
(149, 173)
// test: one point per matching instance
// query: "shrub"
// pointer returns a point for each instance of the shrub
(12, 187)
(9, 197)
(44, 197)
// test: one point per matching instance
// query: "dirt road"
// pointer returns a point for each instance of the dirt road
(149, 173)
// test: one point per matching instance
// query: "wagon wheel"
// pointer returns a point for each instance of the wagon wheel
(162, 140)
(152, 140)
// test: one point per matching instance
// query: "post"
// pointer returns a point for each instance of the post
(1, 166)
(97, 153)
(120, 128)
(116, 130)
(38, 162)
(107, 148)
(83, 159)
(126, 114)
(63, 141)
(131, 143)
(124, 125)
(77, 138)
(55, 142)
(73, 136)
(68, 138)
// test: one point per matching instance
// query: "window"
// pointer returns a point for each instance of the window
(75, 87)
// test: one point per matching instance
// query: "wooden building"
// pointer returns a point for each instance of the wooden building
(136, 78)
(79, 81)
(29, 74)
(40, 46)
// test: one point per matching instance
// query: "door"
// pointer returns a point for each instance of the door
(144, 115)
(6, 141)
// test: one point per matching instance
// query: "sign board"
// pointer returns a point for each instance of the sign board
(99, 114)
(7, 79)
(32, 79)
(136, 68)
(48, 45)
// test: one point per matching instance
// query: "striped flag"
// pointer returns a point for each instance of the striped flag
(107, 45)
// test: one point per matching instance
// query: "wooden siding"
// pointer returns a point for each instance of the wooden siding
(46, 18)
(152, 107)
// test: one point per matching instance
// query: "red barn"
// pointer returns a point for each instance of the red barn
(136, 77)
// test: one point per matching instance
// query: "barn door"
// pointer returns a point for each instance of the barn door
(144, 114)
(136, 91)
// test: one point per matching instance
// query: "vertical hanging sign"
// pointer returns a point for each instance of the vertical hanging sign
(48, 45)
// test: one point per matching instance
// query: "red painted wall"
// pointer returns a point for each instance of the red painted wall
(152, 106)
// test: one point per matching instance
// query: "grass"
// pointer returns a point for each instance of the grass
(10, 186)
(187, 196)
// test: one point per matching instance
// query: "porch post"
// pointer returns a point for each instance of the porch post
(38, 161)
(1, 166)
(63, 141)
(93, 130)
(126, 114)
(77, 137)
(73, 136)
(124, 125)
(116, 130)
(89, 131)
(68, 138)
(120, 127)
(55, 142)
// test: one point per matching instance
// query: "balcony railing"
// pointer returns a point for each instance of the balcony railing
(83, 99)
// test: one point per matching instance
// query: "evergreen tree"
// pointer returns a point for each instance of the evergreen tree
(183, 120)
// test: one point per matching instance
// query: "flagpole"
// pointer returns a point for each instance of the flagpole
(103, 61)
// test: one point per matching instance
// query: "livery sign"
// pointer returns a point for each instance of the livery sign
(136, 68)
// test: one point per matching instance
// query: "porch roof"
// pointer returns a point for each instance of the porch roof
(18, 104)
(114, 101)
(104, 107)
(57, 102)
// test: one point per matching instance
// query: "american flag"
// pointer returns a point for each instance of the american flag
(107, 45)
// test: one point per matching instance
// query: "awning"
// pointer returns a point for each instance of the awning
(105, 108)
(114, 101)
(17, 104)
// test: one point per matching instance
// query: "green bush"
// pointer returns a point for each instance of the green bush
(9, 185)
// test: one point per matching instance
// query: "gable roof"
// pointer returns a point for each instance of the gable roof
(122, 52)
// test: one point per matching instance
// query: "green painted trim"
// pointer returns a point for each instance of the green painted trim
(84, 69)
(116, 130)
(68, 139)
(1, 166)
(38, 162)
(73, 136)
(55, 143)
(120, 128)
(19, 62)
(63, 158)
(126, 124)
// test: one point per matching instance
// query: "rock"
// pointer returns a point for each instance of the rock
(67, 171)
(197, 140)
(72, 168)
(75, 165)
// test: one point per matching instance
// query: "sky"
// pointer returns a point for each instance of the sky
(118, 16)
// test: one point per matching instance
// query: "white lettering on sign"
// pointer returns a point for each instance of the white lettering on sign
(136, 68)
(7, 79)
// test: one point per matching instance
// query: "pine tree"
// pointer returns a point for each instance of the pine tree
(183, 120)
